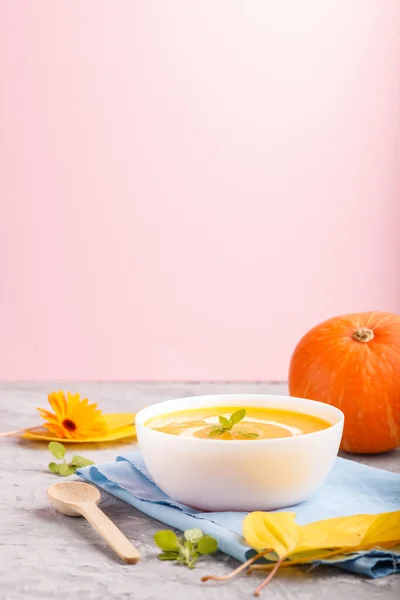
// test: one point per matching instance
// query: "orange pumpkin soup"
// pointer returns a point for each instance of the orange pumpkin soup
(235, 423)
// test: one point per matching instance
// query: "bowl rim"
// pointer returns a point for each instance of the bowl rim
(141, 418)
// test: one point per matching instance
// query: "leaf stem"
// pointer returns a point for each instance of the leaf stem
(269, 577)
(305, 561)
(17, 432)
(239, 569)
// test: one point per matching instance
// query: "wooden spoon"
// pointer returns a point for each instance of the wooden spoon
(74, 499)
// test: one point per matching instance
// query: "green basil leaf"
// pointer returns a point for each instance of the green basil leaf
(193, 535)
(80, 461)
(248, 435)
(168, 556)
(207, 545)
(237, 416)
(216, 432)
(166, 540)
(57, 450)
(224, 422)
(66, 470)
(53, 467)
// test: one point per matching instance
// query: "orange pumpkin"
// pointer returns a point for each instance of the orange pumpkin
(353, 363)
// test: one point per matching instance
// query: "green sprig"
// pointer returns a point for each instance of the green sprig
(226, 425)
(187, 549)
(65, 468)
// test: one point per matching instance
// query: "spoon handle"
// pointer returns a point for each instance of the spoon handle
(110, 532)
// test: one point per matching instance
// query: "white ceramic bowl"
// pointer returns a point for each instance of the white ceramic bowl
(240, 475)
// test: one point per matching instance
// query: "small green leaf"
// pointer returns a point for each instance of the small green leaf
(207, 545)
(248, 435)
(66, 470)
(57, 449)
(193, 559)
(62, 469)
(224, 422)
(80, 461)
(193, 535)
(237, 416)
(187, 549)
(54, 467)
(166, 540)
(168, 556)
(188, 545)
(215, 432)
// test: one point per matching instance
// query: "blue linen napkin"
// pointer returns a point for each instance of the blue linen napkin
(351, 489)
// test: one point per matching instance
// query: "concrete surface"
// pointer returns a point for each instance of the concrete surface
(47, 555)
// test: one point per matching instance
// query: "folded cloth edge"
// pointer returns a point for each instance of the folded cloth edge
(373, 564)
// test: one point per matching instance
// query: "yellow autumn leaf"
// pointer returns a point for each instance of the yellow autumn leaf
(384, 531)
(339, 532)
(346, 555)
(320, 539)
(309, 556)
(271, 531)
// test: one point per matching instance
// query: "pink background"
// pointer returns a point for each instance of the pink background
(186, 187)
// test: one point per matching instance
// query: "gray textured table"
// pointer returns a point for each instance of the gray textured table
(47, 555)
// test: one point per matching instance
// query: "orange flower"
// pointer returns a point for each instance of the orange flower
(74, 418)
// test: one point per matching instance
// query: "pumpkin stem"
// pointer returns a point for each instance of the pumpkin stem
(363, 335)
